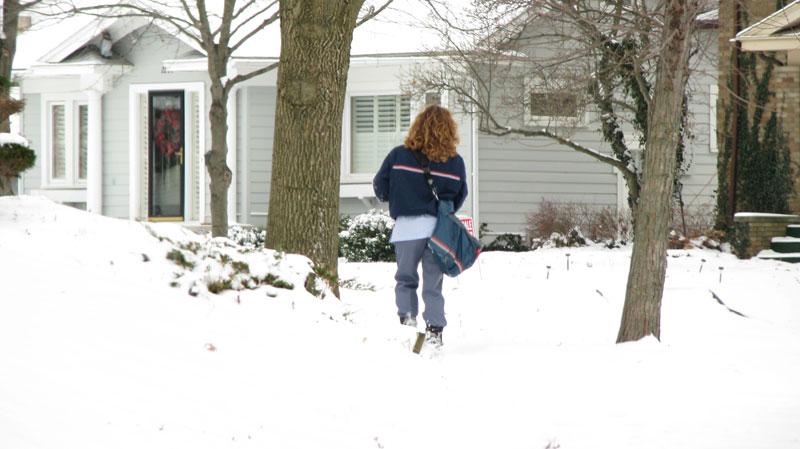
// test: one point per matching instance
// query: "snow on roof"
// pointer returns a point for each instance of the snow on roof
(44, 35)
(710, 17)
(400, 29)
(788, 16)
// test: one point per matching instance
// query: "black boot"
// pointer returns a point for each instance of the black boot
(433, 335)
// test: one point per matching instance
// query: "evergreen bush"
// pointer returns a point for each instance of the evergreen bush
(250, 237)
(507, 242)
(15, 159)
(365, 237)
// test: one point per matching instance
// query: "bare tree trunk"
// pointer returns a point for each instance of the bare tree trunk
(312, 76)
(216, 162)
(8, 48)
(642, 313)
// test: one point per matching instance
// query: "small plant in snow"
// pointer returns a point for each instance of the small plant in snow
(179, 258)
(218, 265)
(249, 237)
(365, 237)
(354, 284)
(573, 238)
(507, 242)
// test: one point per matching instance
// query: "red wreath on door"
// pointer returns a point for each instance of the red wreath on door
(168, 132)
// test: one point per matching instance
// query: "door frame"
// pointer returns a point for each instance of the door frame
(138, 207)
(186, 164)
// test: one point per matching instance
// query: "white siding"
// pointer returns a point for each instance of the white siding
(516, 174)
(32, 130)
(261, 102)
(700, 183)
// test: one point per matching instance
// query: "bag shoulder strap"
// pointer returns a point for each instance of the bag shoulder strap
(426, 168)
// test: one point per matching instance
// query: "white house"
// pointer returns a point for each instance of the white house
(102, 127)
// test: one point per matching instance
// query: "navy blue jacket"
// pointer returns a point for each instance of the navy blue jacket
(401, 181)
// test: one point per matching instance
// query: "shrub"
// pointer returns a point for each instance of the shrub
(250, 237)
(693, 222)
(365, 237)
(598, 224)
(15, 158)
(507, 242)
(557, 240)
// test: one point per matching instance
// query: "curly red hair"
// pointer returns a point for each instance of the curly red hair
(435, 133)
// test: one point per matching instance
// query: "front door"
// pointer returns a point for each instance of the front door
(166, 156)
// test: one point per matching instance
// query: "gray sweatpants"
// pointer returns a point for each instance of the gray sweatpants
(409, 254)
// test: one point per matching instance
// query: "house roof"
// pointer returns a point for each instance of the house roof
(400, 29)
(778, 31)
(709, 19)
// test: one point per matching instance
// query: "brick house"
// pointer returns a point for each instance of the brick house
(768, 31)
(773, 29)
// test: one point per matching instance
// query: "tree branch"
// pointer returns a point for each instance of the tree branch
(254, 31)
(373, 12)
(181, 25)
(266, 22)
(242, 78)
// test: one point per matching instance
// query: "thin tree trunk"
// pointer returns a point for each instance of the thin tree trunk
(8, 48)
(216, 162)
(312, 76)
(642, 313)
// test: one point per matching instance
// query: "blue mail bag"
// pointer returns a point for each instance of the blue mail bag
(454, 247)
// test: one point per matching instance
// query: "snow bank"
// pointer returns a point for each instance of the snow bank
(99, 350)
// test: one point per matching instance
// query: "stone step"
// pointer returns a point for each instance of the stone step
(785, 245)
(793, 231)
(768, 254)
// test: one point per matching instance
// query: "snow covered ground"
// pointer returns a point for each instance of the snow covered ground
(100, 348)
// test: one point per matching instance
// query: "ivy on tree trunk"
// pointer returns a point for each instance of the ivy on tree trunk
(641, 315)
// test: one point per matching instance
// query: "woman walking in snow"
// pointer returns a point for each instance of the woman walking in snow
(432, 141)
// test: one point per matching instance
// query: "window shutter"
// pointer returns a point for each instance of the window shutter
(363, 136)
(405, 113)
(363, 114)
(387, 113)
(83, 140)
(58, 142)
(378, 124)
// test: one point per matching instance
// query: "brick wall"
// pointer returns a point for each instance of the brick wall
(785, 82)
(756, 232)
(787, 89)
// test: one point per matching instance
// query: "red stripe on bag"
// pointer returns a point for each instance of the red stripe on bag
(447, 249)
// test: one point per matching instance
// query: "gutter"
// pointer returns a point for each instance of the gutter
(737, 78)
(475, 170)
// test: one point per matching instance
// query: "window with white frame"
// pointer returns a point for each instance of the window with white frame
(66, 143)
(712, 118)
(378, 123)
(553, 100)
(554, 104)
